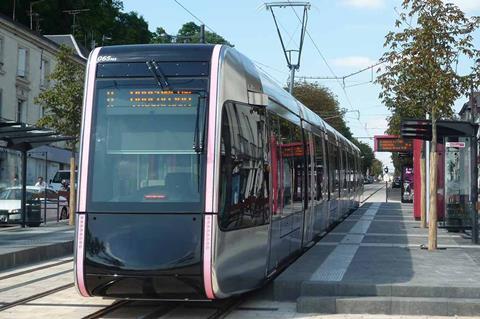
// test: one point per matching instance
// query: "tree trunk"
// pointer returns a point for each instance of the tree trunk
(423, 189)
(73, 200)
(432, 224)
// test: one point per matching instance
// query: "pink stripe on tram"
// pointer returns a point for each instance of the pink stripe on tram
(209, 231)
(79, 255)
(83, 168)
(87, 127)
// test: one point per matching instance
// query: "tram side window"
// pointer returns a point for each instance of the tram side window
(244, 179)
(319, 169)
(352, 171)
(276, 175)
(345, 170)
(286, 166)
(298, 159)
(333, 167)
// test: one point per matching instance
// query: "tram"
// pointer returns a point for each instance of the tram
(199, 177)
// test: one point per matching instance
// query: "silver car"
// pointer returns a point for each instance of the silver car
(40, 202)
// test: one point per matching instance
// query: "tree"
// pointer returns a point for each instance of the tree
(190, 33)
(323, 102)
(62, 105)
(420, 70)
(376, 168)
(130, 28)
(367, 156)
(161, 36)
(104, 19)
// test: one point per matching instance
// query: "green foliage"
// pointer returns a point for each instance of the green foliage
(62, 102)
(420, 75)
(367, 155)
(130, 29)
(161, 36)
(323, 102)
(190, 33)
(376, 168)
(105, 19)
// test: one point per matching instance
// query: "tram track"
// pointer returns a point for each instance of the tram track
(109, 309)
(368, 197)
(122, 308)
(23, 301)
(27, 271)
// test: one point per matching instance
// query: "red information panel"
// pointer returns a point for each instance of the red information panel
(392, 143)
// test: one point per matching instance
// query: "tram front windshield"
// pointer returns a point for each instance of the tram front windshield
(146, 147)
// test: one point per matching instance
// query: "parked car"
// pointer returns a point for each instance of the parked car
(56, 182)
(397, 182)
(37, 199)
(368, 180)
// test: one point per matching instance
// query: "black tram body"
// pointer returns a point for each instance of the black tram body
(199, 177)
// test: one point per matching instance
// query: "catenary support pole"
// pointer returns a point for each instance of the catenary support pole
(202, 33)
(292, 79)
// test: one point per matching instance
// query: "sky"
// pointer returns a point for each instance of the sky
(344, 36)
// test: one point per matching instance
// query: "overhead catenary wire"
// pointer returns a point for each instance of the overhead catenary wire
(370, 67)
(347, 98)
(194, 16)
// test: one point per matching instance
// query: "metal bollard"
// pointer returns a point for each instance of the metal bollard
(386, 192)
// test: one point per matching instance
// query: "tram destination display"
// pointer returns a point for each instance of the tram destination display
(392, 143)
(150, 99)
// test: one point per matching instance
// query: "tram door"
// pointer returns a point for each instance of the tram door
(309, 217)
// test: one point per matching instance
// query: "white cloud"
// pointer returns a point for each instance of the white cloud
(368, 4)
(353, 62)
(467, 5)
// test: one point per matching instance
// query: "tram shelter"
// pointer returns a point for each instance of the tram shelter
(23, 137)
(457, 189)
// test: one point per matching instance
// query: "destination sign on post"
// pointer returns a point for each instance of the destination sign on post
(392, 143)
(455, 144)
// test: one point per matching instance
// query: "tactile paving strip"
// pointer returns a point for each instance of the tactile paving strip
(336, 264)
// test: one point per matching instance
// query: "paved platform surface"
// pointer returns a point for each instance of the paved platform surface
(23, 246)
(373, 262)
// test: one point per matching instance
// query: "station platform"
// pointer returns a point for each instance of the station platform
(375, 262)
(23, 246)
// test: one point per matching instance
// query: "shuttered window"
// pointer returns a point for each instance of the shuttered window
(22, 62)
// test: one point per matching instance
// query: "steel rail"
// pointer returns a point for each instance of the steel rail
(23, 272)
(23, 301)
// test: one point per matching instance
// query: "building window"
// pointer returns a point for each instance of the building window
(21, 111)
(22, 66)
(44, 71)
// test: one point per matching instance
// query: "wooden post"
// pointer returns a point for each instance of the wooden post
(71, 208)
(423, 189)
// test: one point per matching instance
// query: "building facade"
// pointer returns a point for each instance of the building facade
(26, 60)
